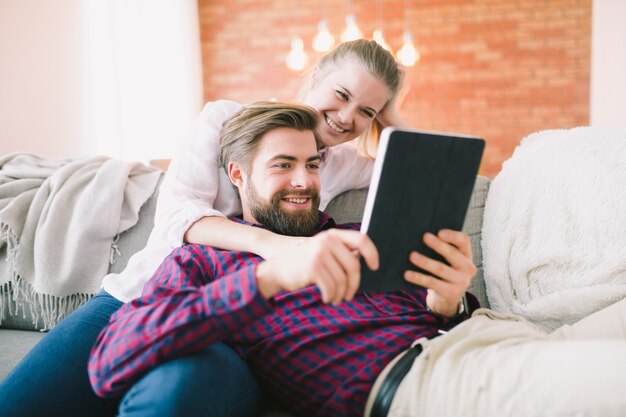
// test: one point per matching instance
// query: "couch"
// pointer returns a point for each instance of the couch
(18, 335)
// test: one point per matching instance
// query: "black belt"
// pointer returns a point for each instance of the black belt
(396, 374)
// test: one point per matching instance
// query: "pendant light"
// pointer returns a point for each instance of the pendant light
(324, 40)
(296, 59)
(352, 31)
(408, 55)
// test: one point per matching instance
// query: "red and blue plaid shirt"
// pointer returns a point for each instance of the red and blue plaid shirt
(315, 358)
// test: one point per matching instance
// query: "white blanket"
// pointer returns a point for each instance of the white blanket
(554, 232)
(58, 223)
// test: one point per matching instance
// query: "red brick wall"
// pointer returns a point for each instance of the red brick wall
(499, 69)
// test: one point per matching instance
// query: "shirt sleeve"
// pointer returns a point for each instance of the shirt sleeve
(343, 169)
(183, 310)
(195, 180)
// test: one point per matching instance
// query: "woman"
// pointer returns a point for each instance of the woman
(354, 89)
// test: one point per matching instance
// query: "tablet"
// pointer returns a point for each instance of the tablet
(421, 182)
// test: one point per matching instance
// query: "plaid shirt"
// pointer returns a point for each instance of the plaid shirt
(316, 358)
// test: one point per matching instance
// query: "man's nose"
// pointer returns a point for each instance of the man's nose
(301, 178)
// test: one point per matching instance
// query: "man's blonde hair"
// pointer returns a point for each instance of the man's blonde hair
(242, 132)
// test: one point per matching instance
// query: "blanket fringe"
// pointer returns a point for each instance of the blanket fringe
(45, 310)
(7, 235)
(115, 249)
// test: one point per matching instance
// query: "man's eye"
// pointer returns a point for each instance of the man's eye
(283, 165)
(313, 166)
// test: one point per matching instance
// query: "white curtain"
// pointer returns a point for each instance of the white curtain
(143, 76)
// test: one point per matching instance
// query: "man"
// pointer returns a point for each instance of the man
(311, 341)
(276, 172)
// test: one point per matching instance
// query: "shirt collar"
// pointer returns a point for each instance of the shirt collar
(323, 152)
(325, 222)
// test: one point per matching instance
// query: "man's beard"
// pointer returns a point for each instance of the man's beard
(272, 216)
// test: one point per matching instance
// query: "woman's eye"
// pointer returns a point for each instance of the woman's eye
(368, 114)
(342, 95)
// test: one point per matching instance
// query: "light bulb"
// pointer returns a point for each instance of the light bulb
(380, 39)
(323, 41)
(408, 55)
(297, 59)
(352, 31)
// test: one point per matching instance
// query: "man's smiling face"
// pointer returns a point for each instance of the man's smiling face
(282, 188)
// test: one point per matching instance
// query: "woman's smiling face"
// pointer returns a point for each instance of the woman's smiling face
(348, 98)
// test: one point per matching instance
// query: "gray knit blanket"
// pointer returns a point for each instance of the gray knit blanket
(59, 220)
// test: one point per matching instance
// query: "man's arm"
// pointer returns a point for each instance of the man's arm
(183, 310)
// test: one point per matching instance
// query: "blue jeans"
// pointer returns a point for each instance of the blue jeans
(52, 379)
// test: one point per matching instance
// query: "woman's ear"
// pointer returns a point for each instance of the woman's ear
(235, 174)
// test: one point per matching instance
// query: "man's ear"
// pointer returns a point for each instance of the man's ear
(235, 174)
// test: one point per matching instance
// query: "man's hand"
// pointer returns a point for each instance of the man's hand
(329, 260)
(446, 290)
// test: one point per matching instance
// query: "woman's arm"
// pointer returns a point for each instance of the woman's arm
(226, 234)
(193, 186)
(197, 196)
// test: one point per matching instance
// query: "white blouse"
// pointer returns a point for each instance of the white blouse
(196, 186)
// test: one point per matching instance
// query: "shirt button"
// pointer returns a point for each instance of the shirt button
(218, 304)
(236, 295)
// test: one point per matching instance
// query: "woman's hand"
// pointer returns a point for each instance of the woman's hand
(449, 282)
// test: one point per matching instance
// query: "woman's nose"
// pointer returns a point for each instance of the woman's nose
(345, 115)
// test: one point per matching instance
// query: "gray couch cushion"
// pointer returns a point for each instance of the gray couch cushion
(473, 226)
(14, 344)
(347, 207)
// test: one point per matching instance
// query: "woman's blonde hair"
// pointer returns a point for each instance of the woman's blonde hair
(377, 61)
(242, 132)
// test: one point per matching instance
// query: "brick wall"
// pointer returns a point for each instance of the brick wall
(499, 69)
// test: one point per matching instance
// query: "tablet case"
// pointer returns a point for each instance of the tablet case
(422, 182)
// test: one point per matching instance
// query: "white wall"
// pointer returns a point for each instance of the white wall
(608, 63)
(49, 104)
(82, 77)
(40, 77)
